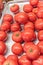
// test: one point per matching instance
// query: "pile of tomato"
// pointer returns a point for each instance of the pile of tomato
(23, 26)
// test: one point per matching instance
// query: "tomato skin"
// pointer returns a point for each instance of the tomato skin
(8, 17)
(1, 6)
(29, 25)
(40, 35)
(40, 44)
(17, 36)
(39, 24)
(32, 17)
(21, 18)
(33, 52)
(24, 61)
(17, 48)
(15, 27)
(35, 10)
(14, 8)
(5, 26)
(27, 8)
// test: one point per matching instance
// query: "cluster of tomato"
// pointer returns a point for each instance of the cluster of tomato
(23, 26)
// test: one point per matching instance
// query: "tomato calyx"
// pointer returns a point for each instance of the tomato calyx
(31, 50)
(17, 35)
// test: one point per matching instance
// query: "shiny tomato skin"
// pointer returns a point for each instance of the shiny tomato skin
(29, 25)
(39, 24)
(27, 8)
(5, 26)
(15, 27)
(35, 10)
(17, 36)
(40, 44)
(32, 17)
(21, 18)
(8, 17)
(33, 52)
(14, 8)
(24, 61)
(17, 48)
(40, 35)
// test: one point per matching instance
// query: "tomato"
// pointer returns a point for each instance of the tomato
(1, 1)
(17, 48)
(40, 44)
(39, 24)
(35, 10)
(12, 57)
(26, 45)
(34, 2)
(28, 35)
(27, 8)
(32, 17)
(8, 17)
(14, 8)
(1, 6)
(15, 27)
(3, 36)
(2, 48)
(33, 52)
(29, 25)
(39, 61)
(1, 63)
(2, 58)
(10, 62)
(17, 36)
(40, 35)
(5, 26)
(24, 61)
(21, 17)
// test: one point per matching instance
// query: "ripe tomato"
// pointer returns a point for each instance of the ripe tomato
(27, 8)
(34, 2)
(33, 52)
(10, 62)
(8, 17)
(17, 36)
(21, 17)
(28, 35)
(39, 24)
(15, 8)
(2, 48)
(3, 36)
(32, 17)
(39, 61)
(1, 6)
(29, 25)
(15, 27)
(40, 35)
(24, 61)
(17, 48)
(5, 26)
(40, 44)
(26, 45)
(35, 10)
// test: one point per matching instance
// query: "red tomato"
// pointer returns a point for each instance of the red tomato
(27, 8)
(8, 17)
(26, 45)
(17, 48)
(1, 6)
(32, 17)
(39, 24)
(2, 48)
(40, 35)
(21, 18)
(34, 2)
(24, 61)
(5, 26)
(39, 61)
(17, 36)
(1, 63)
(29, 25)
(10, 62)
(40, 44)
(15, 27)
(28, 35)
(3, 36)
(33, 52)
(35, 10)
(15, 8)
